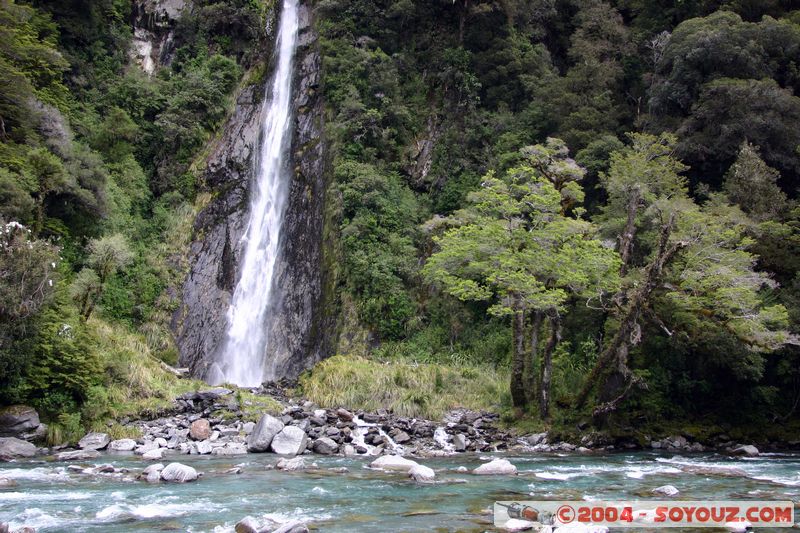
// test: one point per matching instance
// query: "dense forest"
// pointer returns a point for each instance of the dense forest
(596, 198)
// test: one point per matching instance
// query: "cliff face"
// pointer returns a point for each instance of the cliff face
(301, 327)
(153, 31)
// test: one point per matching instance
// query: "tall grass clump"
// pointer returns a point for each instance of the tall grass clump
(424, 390)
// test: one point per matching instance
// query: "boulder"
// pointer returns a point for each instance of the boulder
(147, 446)
(200, 429)
(247, 427)
(18, 419)
(94, 441)
(516, 524)
(290, 441)
(78, 455)
(421, 473)
(203, 447)
(152, 473)
(122, 445)
(6, 483)
(459, 442)
(156, 454)
(325, 446)
(401, 438)
(348, 450)
(178, 473)
(290, 465)
(263, 433)
(496, 467)
(246, 525)
(395, 463)
(746, 451)
(666, 490)
(12, 448)
(344, 414)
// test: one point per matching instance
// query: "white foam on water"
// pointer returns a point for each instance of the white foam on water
(440, 436)
(45, 496)
(48, 475)
(150, 510)
(558, 476)
(319, 490)
(35, 518)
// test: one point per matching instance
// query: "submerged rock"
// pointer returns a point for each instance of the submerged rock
(78, 455)
(155, 454)
(94, 441)
(12, 448)
(6, 483)
(290, 465)
(263, 433)
(496, 467)
(291, 440)
(394, 463)
(295, 526)
(179, 473)
(231, 448)
(666, 490)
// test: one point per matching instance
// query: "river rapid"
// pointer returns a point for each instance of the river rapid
(57, 497)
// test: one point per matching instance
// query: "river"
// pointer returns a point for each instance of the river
(53, 498)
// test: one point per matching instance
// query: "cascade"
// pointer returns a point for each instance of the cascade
(241, 359)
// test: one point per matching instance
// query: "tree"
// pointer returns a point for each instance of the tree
(513, 247)
(106, 256)
(753, 185)
(692, 273)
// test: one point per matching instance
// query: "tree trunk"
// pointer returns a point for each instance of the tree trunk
(518, 361)
(625, 336)
(547, 364)
(628, 232)
(530, 385)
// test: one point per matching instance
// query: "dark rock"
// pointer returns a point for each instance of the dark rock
(344, 414)
(325, 446)
(17, 419)
(263, 434)
(12, 448)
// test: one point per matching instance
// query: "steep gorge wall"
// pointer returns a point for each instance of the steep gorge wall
(303, 330)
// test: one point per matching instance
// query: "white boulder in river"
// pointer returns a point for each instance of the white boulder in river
(496, 467)
(122, 445)
(666, 490)
(290, 441)
(94, 441)
(178, 473)
(395, 463)
(261, 436)
(422, 474)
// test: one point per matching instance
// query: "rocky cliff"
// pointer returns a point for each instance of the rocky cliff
(302, 324)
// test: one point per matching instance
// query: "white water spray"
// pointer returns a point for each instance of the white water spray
(246, 344)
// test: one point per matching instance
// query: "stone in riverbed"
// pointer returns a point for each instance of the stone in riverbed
(421, 473)
(155, 454)
(231, 448)
(325, 446)
(78, 455)
(401, 438)
(459, 442)
(263, 433)
(290, 465)
(344, 414)
(496, 467)
(247, 427)
(17, 419)
(203, 447)
(6, 483)
(122, 445)
(146, 447)
(394, 463)
(746, 451)
(246, 525)
(666, 490)
(178, 473)
(290, 441)
(200, 429)
(515, 524)
(94, 441)
(11, 448)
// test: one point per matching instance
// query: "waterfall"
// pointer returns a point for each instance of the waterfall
(243, 353)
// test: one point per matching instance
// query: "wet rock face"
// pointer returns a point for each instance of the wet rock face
(154, 23)
(300, 324)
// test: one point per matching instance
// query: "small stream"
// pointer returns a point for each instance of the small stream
(52, 498)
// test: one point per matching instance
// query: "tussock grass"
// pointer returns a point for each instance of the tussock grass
(135, 383)
(409, 389)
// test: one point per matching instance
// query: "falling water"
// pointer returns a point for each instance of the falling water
(244, 349)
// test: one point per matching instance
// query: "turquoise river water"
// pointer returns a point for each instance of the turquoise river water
(52, 498)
